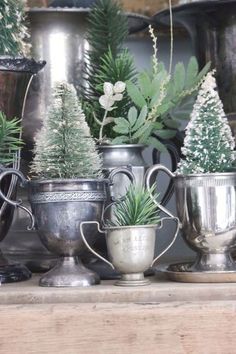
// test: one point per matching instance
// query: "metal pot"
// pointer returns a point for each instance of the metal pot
(15, 78)
(58, 207)
(131, 250)
(206, 207)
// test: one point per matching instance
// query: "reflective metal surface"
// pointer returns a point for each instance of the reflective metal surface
(15, 79)
(131, 250)
(183, 272)
(206, 207)
(211, 25)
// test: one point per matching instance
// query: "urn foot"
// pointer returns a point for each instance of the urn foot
(69, 272)
(214, 262)
(11, 273)
(135, 279)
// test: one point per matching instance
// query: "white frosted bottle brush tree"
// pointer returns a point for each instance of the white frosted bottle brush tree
(13, 31)
(64, 147)
(209, 144)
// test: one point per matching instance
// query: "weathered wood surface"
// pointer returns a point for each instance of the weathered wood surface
(160, 290)
(163, 318)
(161, 328)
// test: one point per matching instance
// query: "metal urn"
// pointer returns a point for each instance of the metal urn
(15, 78)
(206, 207)
(58, 207)
(131, 249)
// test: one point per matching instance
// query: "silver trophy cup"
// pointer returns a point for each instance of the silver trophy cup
(206, 207)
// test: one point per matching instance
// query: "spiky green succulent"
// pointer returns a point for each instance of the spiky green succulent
(136, 208)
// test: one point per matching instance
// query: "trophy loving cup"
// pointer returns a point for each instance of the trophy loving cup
(58, 207)
(206, 207)
(131, 249)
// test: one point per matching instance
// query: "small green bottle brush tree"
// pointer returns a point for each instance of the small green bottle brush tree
(209, 144)
(64, 147)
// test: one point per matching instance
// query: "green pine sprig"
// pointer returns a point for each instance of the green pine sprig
(137, 208)
(10, 143)
(107, 31)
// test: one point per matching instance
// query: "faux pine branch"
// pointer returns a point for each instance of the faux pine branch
(10, 141)
(137, 208)
(108, 62)
(64, 147)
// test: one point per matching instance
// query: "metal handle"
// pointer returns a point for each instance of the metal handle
(174, 153)
(148, 177)
(174, 237)
(86, 243)
(116, 171)
(16, 204)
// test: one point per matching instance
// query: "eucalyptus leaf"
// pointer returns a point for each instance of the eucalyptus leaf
(141, 130)
(154, 142)
(165, 133)
(145, 84)
(179, 77)
(141, 118)
(132, 115)
(135, 95)
(192, 72)
(120, 140)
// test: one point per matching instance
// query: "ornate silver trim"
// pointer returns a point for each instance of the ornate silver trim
(52, 197)
(205, 182)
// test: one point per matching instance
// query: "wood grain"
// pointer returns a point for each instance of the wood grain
(162, 328)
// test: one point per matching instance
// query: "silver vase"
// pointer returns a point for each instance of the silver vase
(58, 207)
(15, 78)
(131, 250)
(206, 207)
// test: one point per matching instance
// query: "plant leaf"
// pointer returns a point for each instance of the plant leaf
(135, 95)
(132, 115)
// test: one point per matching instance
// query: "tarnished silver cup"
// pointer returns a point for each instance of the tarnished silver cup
(58, 207)
(206, 207)
(131, 250)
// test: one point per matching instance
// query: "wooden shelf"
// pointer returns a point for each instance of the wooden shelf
(163, 318)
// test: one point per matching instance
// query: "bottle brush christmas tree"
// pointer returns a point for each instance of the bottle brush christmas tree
(13, 31)
(209, 144)
(64, 147)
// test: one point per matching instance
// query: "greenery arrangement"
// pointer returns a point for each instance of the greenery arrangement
(209, 144)
(107, 31)
(64, 147)
(13, 31)
(156, 97)
(10, 142)
(137, 208)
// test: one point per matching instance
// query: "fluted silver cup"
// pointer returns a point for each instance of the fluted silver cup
(206, 207)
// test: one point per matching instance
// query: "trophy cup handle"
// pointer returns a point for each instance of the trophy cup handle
(173, 239)
(88, 246)
(116, 171)
(148, 177)
(17, 204)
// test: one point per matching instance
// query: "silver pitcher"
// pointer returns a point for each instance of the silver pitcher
(206, 207)
(131, 249)
(58, 207)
